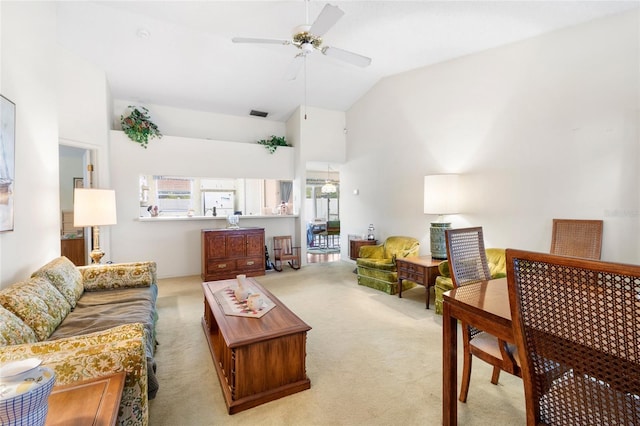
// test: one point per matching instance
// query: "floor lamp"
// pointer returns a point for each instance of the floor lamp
(440, 198)
(94, 207)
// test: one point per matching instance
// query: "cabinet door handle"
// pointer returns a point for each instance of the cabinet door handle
(222, 265)
(251, 262)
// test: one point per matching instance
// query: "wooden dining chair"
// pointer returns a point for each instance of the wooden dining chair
(576, 324)
(468, 264)
(577, 237)
(285, 251)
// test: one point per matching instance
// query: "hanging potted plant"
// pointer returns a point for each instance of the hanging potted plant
(139, 127)
(273, 143)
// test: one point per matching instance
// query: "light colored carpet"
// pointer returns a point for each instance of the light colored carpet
(372, 359)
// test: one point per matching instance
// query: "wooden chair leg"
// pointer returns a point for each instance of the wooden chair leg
(277, 265)
(294, 265)
(466, 376)
(496, 375)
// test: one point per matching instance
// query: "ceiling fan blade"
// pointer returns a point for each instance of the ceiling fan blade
(345, 55)
(294, 67)
(327, 19)
(259, 40)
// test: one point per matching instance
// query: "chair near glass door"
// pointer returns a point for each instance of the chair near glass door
(285, 251)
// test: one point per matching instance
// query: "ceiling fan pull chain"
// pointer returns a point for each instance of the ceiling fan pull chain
(305, 87)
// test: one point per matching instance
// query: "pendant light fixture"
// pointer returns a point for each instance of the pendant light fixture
(328, 187)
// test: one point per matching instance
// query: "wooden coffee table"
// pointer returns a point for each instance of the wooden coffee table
(88, 402)
(257, 359)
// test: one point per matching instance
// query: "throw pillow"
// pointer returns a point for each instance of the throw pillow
(13, 331)
(38, 304)
(64, 276)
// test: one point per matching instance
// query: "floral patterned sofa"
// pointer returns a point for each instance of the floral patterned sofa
(86, 322)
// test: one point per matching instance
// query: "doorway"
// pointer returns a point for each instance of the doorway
(322, 212)
(73, 163)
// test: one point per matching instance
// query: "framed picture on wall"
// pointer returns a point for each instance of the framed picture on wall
(78, 183)
(7, 162)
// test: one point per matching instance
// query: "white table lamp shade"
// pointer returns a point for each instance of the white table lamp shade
(94, 207)
(441, 194)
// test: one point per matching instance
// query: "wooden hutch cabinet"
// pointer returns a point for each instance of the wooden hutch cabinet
(229, 252)
(73, 249)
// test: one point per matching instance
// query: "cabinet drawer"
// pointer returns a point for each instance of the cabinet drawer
(413, 276)
(250, 264)
(217, 266)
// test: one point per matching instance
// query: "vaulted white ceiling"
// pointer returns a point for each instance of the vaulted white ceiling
(180, 54)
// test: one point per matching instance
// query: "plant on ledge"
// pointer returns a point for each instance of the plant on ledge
(139, 127)
(273, 143)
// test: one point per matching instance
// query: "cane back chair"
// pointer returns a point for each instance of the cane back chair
(468, 264)
(285, 251)
(577, 237)
(577, 327)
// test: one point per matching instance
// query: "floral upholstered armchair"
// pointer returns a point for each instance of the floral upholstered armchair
(377, 264)
(497, 268)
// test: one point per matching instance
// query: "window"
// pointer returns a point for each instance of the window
(174, 194)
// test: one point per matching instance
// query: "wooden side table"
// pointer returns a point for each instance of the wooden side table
(355, 244)
(422, 270)
(88, 402)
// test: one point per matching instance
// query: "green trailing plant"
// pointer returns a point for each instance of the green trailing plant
(273, 143)
(139, 127)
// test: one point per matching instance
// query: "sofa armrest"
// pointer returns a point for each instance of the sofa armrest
(93, 355)
(375, 252)
(118, 275)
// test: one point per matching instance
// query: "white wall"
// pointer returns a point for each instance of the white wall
(319, 136)
(543, 128)
(28, 51)
(175, 244)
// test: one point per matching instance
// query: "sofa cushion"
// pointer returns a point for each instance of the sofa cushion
(497, 261)
(382, 264)
(101, 310)
(103, 277)
(444, 270)
(13, 331)
(64, 276)
(37, 303)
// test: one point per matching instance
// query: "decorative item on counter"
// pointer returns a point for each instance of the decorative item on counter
(241, 292)
(138, 126)
(255, 302)
(24, 392)
(370, 235)
(233, 220)
(215, 213)
(273, 143)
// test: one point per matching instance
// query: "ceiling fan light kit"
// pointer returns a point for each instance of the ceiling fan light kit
(308, 38)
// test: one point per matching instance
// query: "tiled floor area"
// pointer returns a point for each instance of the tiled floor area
(322, 257)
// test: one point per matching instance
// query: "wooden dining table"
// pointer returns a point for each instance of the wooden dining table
(484, 305)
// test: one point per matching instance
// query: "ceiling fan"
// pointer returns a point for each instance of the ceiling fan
(308, 38)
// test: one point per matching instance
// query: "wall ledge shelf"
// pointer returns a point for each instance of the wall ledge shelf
(209, 218)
